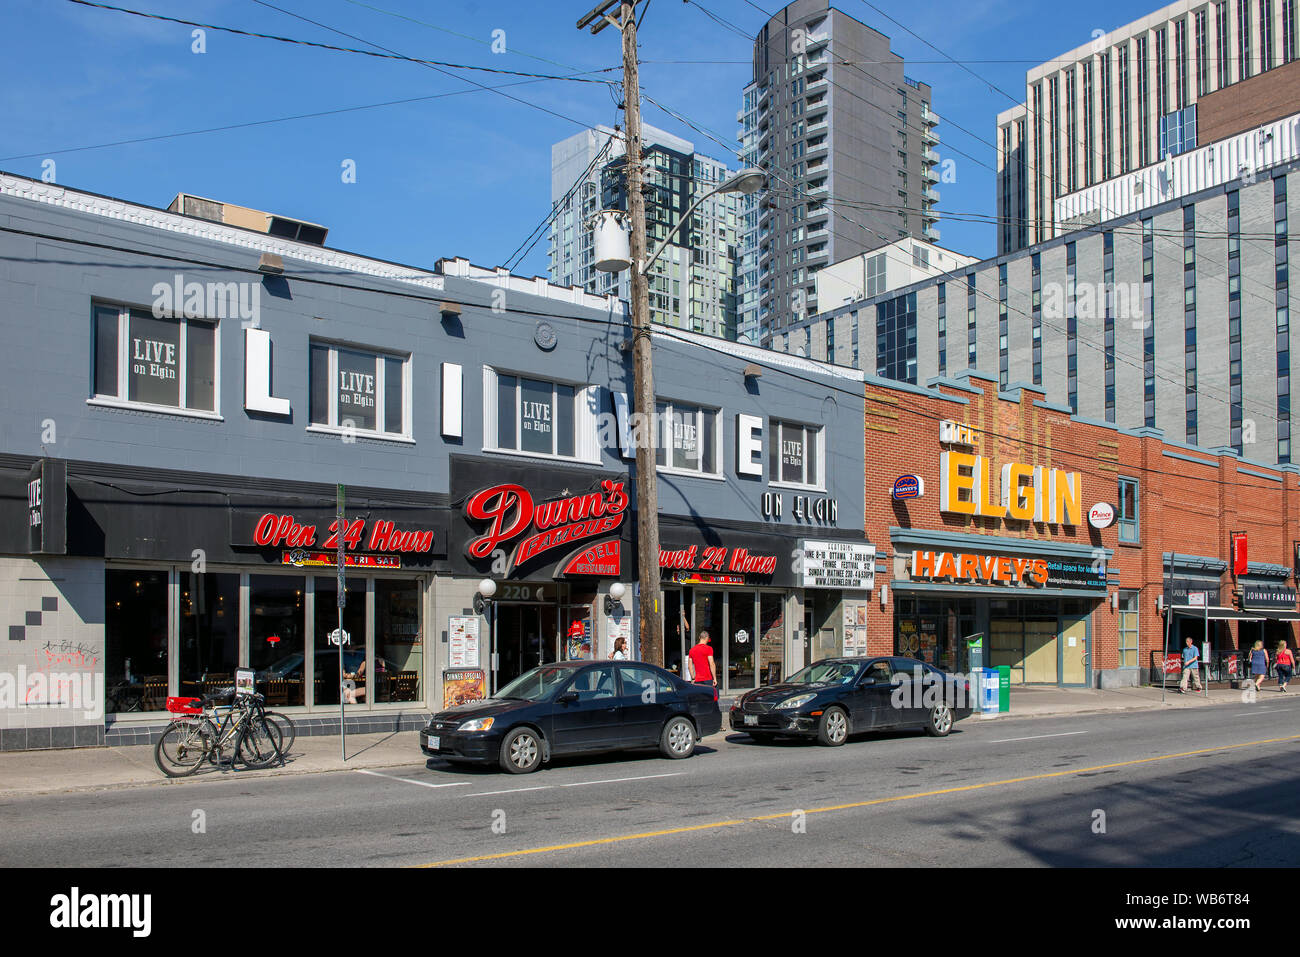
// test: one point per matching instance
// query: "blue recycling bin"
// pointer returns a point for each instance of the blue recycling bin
(988, 690)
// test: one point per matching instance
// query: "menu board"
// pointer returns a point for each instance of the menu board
(462, 639)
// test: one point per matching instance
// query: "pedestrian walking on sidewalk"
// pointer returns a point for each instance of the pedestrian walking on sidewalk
(1285, 665)
(1191, 666)
(1258, 664)
(700, 662)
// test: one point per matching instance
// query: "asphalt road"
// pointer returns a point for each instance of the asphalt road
(1205, 788)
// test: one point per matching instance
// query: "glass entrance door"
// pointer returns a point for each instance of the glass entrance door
(677, 630)
(710, 616)
(742, 637)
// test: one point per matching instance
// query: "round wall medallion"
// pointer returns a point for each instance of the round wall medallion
(545, 336)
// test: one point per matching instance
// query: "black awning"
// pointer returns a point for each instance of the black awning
(1275, 614)
(1218, 613)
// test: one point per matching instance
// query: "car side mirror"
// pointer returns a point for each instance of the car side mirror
(866, 681)
(568, 697)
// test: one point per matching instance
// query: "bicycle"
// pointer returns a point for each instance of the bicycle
(198, 732)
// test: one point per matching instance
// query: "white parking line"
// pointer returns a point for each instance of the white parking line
(642, 777)
(479, 794)
(423, 784)
(1242, 714)
(1031, 737)
(575, 784)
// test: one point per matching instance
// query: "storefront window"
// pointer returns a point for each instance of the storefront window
(135, 639)
(742, 637)
(1128, 629)
(276, 639)
(326, 668)
(399, 640)
(771, 647)
(209, 632)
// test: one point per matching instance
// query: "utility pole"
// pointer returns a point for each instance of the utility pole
(646, 435)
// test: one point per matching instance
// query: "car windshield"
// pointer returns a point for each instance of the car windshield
(537, 684)
(823, 672)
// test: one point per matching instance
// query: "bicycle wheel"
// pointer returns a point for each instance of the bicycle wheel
(183, 746)
(259, 744)
(288, 733)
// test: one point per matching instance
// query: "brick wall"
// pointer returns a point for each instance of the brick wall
(1190, 499)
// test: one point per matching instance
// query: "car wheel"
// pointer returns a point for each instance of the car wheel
(940, 721)
(521, 751)
(833, 729)
(678, 739)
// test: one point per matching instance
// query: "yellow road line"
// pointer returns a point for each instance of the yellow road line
(857, 804)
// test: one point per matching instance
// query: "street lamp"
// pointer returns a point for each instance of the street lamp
(484, 605)
(615, 597)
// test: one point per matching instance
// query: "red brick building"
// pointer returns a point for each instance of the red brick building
(1003, 543)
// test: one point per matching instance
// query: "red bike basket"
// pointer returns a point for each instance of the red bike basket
(184, 705)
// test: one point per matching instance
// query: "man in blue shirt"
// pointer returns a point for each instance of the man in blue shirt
(1191, 666)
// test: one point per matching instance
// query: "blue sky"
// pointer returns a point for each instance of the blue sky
(463, 172)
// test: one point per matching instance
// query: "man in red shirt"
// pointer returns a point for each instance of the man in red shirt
(701, 661)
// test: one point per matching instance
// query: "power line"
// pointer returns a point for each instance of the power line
(252, 123)
(540, 229)
(388, 55)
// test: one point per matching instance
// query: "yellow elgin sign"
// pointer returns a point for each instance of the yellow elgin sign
(1027, 493)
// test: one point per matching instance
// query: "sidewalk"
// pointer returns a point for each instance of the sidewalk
(1049, 702)
(36, 772)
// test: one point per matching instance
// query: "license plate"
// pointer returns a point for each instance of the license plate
(751, 719)
(433, 744)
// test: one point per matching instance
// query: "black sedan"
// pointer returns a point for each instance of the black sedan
(837, 697)
(576, 707)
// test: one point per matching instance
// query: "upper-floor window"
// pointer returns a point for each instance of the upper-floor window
(1128, 510)
(360, 390)
(155, 361)
(794, 454)
(689, 438)
(533, 415)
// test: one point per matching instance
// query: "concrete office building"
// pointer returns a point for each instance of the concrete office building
(1103, 118)
(1175, 317)
(833, 119)
(693, 283)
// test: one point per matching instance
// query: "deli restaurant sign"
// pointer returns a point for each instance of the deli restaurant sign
(513, 523)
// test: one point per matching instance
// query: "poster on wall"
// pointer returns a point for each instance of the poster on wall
(907, 637)
(356, 389)
(153, 374)
(578, 643)
(462, 687)
(462, 641)
(619, 627)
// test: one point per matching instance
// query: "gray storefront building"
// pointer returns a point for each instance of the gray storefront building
(184, 398)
